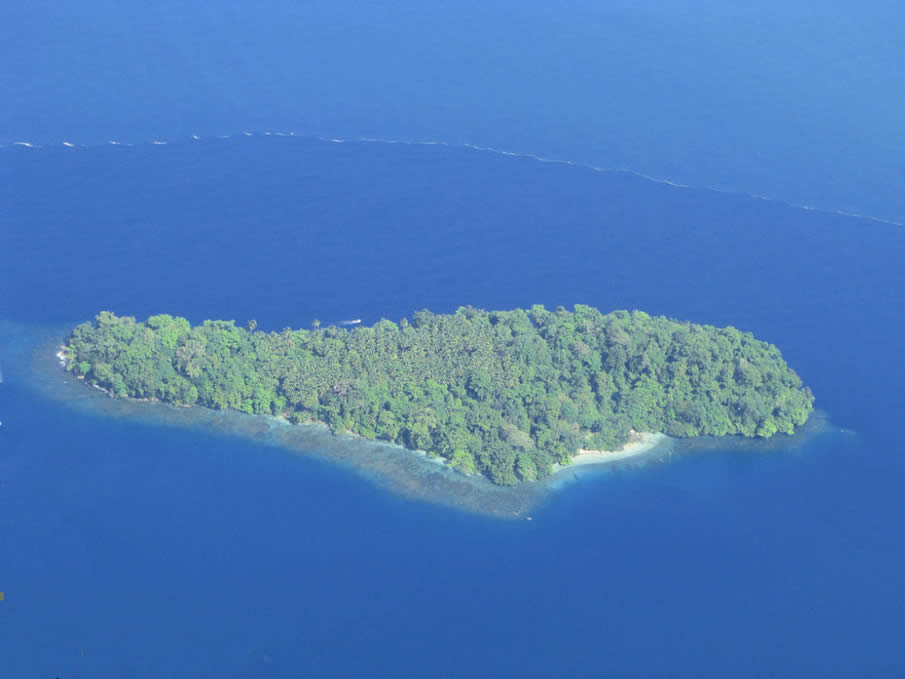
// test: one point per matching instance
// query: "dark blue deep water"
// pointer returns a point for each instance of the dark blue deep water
(132, 549)
(783, 98)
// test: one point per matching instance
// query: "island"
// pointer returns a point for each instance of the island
(511, 395)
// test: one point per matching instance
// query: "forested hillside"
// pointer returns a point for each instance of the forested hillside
(502, 393)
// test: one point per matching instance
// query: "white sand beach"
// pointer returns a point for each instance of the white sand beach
(638, 444)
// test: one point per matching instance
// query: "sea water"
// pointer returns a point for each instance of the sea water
(132, 548)
(768, 98)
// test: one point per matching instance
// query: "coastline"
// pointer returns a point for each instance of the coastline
(416, 476)
(63, 359)
(638, 444)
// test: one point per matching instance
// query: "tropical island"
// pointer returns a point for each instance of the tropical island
(510, 395)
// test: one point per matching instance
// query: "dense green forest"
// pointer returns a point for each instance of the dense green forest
(502, 393)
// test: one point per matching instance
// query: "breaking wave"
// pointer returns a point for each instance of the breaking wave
(484, 149)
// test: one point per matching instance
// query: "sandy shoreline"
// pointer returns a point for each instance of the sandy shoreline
(638, 444)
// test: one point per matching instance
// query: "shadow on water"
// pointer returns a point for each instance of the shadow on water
(28, 353)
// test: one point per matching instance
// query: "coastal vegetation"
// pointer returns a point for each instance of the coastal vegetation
(507, 394)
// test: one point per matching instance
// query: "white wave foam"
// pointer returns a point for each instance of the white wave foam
(531, 156)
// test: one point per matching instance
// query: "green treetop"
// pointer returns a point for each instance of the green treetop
(502, 393)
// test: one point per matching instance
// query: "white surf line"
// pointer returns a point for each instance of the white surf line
(515, 154)
(626, 171)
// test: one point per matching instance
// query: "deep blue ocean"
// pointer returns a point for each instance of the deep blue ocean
(136, 549)
(790, 99)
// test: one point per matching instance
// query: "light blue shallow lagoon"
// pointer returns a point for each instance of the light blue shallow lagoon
(187, 545)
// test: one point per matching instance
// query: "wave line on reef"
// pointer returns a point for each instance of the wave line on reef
(625, 171)
(494, 150)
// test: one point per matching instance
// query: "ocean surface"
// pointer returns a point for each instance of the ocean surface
(776, 97)
(130, 547)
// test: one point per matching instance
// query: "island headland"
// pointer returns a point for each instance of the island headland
(510, 395)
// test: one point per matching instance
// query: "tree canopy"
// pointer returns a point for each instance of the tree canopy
(503, 393)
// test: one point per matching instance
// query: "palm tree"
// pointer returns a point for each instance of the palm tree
(316, 324)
